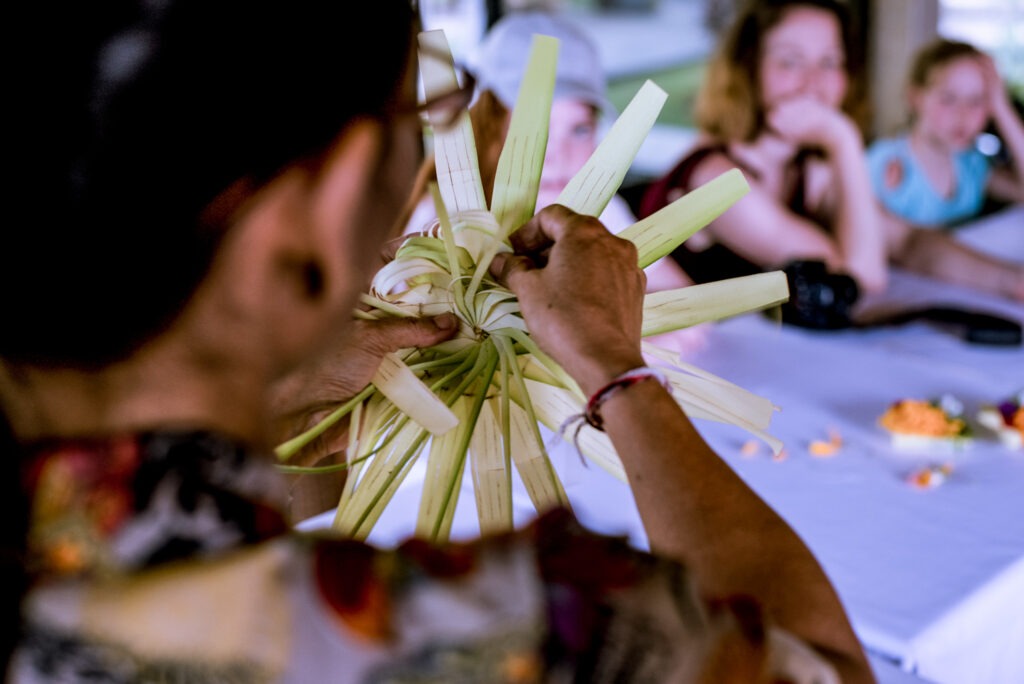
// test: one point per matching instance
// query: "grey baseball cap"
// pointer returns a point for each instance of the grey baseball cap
(500, 59)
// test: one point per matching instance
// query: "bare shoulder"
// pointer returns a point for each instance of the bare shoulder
(711, 166)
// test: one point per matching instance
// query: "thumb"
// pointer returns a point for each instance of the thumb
(399, 333)
(505, 267)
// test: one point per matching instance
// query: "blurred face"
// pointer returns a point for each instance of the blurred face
(951, 109)
(804, 57)
(572, 138)
(358, 196)
(393, 172)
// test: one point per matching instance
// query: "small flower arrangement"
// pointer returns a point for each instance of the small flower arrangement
(1006, 420)
(927, 424)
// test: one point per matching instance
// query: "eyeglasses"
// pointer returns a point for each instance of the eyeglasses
(443, 111)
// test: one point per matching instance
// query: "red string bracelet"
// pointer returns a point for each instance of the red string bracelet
(592, 412)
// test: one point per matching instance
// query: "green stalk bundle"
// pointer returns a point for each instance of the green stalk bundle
(477, 400)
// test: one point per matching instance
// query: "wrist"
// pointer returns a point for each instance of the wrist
(845, 139)
(1002, 105)
(593, 373)
(592, 415)
(620, 383)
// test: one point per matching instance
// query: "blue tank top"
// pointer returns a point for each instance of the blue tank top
(915, 199)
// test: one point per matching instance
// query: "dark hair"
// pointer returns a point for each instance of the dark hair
(133, 117)
(728, 102)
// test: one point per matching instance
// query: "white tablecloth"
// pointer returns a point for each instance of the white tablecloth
(933, 579)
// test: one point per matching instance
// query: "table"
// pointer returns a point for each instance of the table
(933, 579)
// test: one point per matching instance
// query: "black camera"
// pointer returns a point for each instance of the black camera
(818, 298)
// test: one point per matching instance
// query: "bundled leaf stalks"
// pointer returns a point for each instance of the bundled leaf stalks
(482, 395)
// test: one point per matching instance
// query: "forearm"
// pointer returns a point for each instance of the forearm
(1011, 131)
(695, 508)
(858, 225)
(937, 255)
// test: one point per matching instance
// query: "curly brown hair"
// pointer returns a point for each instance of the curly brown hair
(728, 103)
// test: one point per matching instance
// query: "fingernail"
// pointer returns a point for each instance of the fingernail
(445, 321)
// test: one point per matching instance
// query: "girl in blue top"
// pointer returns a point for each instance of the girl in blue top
(934, 175)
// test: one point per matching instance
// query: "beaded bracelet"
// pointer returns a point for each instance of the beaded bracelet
(592, 412)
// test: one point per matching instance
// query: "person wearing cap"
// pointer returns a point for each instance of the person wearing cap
(580, 100)
(177, 272)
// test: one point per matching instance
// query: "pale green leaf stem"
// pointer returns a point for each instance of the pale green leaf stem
(491, 377)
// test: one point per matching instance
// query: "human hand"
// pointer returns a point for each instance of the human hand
(580, 291)
(307, 395)
(995, 90)
(804, 120)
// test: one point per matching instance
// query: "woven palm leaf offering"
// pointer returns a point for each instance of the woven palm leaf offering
(482, 396)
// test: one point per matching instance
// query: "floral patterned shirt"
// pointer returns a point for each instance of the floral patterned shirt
(163, 557)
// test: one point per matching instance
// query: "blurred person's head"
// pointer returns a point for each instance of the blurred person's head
(199, 189)
(150, 130)
(947, 92)
(779, 49)
(579, 97)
